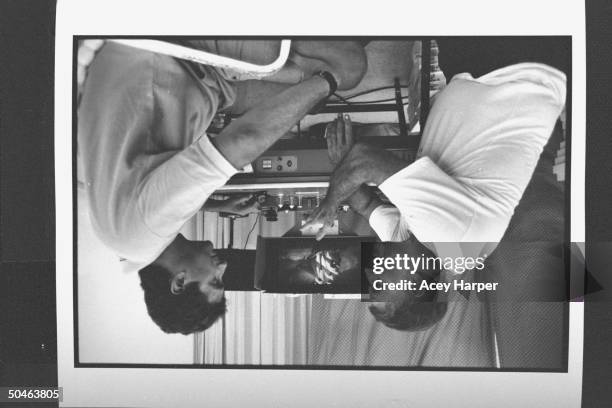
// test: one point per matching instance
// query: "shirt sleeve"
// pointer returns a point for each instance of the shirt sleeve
(177, 189)
(443, 213)
(434, 205)
(388, 224)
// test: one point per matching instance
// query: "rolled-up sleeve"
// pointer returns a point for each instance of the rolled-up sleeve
(177, 189)
(434, 205)
(445, 215)
(388, 224)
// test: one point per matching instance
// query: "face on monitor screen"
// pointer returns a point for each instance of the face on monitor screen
(304, 265)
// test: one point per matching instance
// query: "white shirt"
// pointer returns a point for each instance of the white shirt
(479, 148)
(148, 163)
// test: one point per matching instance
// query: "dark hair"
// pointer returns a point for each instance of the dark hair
(418, 311)
(186, 312)
(410, 315)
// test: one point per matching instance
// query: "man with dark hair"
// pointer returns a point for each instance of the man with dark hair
(478, 151)
(149, 165)
(413, 314)
(184, 314)
(414, 310)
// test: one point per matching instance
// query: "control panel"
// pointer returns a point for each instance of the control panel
(289, 201)
(277, 164)
(285, 200)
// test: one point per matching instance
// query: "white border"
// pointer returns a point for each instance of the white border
(220, 388)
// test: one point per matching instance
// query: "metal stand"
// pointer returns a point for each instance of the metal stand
(400, 108)
(230, 244)
(425, 76)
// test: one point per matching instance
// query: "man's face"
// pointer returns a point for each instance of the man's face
(383, 301)
(328, 263)
(350, 258)
(325, 264)
(338, 260)
(206, 268)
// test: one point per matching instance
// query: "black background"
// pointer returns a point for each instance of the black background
(28, 349)
(28, 346)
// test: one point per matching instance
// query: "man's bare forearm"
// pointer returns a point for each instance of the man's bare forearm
(213, 205)
(250, 135)
(362, 165)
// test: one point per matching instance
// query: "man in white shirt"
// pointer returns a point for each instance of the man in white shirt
(478, 151)
(149, 165)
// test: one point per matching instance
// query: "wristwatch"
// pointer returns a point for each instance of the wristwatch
(333, 85)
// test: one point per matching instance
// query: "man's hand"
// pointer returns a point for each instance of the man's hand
(241, 205)
(324, 216)
(339, 136)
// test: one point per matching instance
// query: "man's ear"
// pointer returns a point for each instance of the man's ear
(177, 285)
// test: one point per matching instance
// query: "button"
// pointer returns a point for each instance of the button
(279, 168)
(289, 163)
